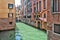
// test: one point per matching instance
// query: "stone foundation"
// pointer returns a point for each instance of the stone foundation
(7, 35)
(6, 24)
(53, 36)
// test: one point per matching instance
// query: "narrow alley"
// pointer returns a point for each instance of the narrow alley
(29, 33)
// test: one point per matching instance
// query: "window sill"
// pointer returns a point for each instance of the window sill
(56, 34)
(55, 13)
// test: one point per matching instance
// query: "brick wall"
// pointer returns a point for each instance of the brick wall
(53, 18)
(4, 24)
(4, 18)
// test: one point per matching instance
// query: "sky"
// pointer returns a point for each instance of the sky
(17, 2)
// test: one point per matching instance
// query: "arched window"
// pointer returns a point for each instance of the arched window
(44, 15)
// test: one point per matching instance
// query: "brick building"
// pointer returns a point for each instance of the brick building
(18, 15)
(54, 20)
(40, 13)
(22, 9)
(35, 12)
(7, 14)
(44, 14)
(7, 19)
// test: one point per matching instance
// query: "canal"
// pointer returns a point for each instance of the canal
(26, 32)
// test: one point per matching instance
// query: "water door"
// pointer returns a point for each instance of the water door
(39, 24)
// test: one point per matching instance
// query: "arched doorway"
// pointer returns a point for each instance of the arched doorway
(39, 24)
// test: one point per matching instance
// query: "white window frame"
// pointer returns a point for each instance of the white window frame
(53, 30)
(57, 8)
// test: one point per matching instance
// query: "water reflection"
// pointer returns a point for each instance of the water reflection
(18, 35)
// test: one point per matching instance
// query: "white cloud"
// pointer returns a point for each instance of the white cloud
(17, 2)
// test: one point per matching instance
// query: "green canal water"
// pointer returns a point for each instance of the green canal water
(29, 33)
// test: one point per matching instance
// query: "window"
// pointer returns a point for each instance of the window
(34, 9)
(29, 10)
(57, 28)
(10, 14)
(28, 0)
(10, 6)
(44, 15)
(37, 6)
(24, 16)
(34, 2)
(55, 5)
(34, 16)
(40, 5)
(30, 4)
(44, 4)
(18, 14)
(10, 22)
(39, 15)
(45, 24)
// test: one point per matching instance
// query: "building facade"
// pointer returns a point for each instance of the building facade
(18, 15)
(35, 13)
(7, 19)
(7, 14)
(43, 14)
(54, 20)
(40, 13)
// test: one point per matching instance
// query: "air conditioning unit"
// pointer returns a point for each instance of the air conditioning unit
(56, 29)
